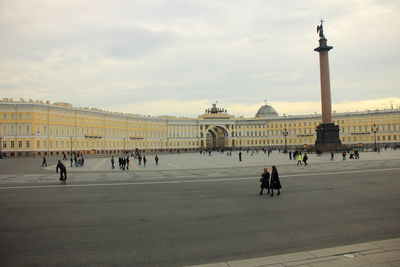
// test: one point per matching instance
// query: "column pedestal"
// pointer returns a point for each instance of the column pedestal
(328, 137)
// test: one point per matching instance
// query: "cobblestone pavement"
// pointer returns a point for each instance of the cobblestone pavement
(192, 166)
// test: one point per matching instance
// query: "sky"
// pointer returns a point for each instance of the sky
(178, 57)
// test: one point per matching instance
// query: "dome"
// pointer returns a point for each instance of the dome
(266, 111)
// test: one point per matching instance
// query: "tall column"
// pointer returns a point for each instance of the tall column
(326, 102)
(327, 133)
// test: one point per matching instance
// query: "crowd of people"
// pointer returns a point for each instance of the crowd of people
(125, 161)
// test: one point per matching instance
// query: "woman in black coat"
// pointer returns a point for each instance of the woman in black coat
(275, 183)
(264, 181)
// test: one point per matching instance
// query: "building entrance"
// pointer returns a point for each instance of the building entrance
(216, 137)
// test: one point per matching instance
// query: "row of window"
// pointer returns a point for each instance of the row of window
(93, 144)
(19, 116)
(119, 144)
(308, 123)
(21, 129)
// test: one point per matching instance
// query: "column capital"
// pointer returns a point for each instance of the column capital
(323, 46)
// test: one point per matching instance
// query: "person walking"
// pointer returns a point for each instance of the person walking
(156, 159)
(123, 162)
(240, 156)
(72, 161)
(140, 159)
(332, 155)
(264, 181)
(344, 155)
(112, 163)
(44, 163)
(305, 158)
(127, 162)
(290, 155)
(144, 160)
(275, 182)
(63, 172)
(299, 159)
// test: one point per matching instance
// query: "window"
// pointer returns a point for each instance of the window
(27, 144)
(19, 129)
(28, 116)
(38, 144)
(12, 116)
(19, 144)
(20, 116)
(12, 144)
(4, 116)
(12, 128)
(4, 128)
(27, 129)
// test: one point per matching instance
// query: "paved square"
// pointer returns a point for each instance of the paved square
(192, 209)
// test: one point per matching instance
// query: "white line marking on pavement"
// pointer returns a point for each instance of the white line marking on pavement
(188, 181)
(99, 164)
(173, 165)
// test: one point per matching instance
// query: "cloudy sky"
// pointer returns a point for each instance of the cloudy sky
(177, 57)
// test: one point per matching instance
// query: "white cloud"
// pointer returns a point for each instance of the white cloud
(128, 53)
(192, 109)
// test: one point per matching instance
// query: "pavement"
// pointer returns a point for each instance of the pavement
(195, 161)
(189, 165)
(378, 253)
(200, 209)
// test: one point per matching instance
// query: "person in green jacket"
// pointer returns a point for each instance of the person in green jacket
(299, 159)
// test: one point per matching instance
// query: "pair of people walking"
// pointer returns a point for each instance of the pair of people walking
(300, 158)
(272, 185)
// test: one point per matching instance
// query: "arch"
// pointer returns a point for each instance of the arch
(216, 137)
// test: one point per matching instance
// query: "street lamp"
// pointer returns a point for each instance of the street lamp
(71, 146)
(375, 129)
(124, 144)
(1, 146)
(285, 133)
(161, 145)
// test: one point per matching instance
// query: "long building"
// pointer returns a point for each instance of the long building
(37, 128)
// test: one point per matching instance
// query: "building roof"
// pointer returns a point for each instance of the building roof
(266, 111)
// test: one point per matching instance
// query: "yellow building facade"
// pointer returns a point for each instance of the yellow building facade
(36, 128)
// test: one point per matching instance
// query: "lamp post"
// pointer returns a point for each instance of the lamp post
(71, 146)
(161, 145)
(375, 129)
(285, 133)
(1, 146)
(124, 145)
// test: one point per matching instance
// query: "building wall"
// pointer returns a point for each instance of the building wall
(37, 128)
